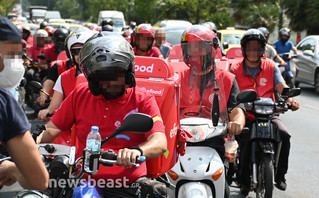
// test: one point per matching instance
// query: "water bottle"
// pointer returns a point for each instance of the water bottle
(231, 146)
(93, 146)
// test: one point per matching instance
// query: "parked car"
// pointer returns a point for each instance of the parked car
(174, 34)
(230, 37)
(307, 65)
(175, 23)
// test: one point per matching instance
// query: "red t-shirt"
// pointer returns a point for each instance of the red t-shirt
(33, 52)
(154, 52)
(50, 53)
(85, 110)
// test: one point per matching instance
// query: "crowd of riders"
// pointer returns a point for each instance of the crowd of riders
(57, 58)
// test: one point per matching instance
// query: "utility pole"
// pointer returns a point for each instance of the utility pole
(281, 13)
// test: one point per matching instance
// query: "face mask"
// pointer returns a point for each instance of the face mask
(12, 73)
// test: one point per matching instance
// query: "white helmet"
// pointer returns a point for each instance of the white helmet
(79, 36)
(41, 33)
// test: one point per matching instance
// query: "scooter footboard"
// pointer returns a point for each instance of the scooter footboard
(195, 189)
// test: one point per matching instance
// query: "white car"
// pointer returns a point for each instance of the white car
(307, 65)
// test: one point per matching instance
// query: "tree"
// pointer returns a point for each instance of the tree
(6, 6)
(257, 14)
(303, 15)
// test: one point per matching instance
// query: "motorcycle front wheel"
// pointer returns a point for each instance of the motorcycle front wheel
(265, 178)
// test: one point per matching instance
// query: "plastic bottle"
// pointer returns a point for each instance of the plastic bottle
(93, 146)
(231, 146)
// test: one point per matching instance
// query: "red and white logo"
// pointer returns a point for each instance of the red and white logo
(263, 81)
(144, 68)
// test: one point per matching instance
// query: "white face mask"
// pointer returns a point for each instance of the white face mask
(12, 73)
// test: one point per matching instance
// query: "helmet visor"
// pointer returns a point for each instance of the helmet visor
(198, 48)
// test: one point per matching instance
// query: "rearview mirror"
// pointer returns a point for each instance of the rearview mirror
(308, 53)
(136, 122)
(293, 92)
(35, 85)
(246, 96)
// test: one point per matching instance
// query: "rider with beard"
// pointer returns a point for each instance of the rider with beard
(26, 166)
(143, 40)
(264, 77)
(53, 51)
(108, 97)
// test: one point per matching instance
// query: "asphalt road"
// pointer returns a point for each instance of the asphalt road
(303, 173)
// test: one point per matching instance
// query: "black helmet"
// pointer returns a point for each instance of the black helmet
(106, 55)
(253, 34)
(43, 24)
(286, 32)
(107, 22)
(60, 35)
(264, 31)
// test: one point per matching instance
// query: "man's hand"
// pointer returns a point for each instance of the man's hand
(126, 157)
(7, 169)
(294, 104)
(41, 99)
(234, 128)
(43, 114)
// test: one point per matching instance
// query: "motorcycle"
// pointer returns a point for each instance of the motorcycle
(200, 172)
(35, 88)
(287, 73)
(263, 142)
(65, 169)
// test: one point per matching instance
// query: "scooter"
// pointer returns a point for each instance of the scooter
(65, 169)
(287, 73)
(200, 172)
(263, 142)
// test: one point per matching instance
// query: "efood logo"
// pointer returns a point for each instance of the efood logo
(144, 68)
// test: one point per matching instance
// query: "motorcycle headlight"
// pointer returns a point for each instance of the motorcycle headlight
(197, 132)
(265, 110)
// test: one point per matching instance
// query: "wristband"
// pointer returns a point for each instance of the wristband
(137, 148)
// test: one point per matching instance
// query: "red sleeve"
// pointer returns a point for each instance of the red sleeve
(64, 117)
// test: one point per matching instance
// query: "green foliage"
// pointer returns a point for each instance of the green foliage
(303, 15)
(6, 6)
(257, 14)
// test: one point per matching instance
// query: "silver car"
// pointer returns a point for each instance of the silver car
(307, 65)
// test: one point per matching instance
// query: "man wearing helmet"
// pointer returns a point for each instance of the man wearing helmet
(63, 75)
(270, 50)
(73, 45)
(203, 81)
(262, 76)
(143, 40)
(199, 45)
(40, 39)
(26, 35)
(53, 51)
(108, 97)
(283, 45)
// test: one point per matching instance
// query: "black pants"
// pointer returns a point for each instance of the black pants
(245, 153)
(143, 188)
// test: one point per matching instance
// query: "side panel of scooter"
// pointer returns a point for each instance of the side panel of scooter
(195, 164)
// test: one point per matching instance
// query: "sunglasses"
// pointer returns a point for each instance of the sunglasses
(76, 51)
